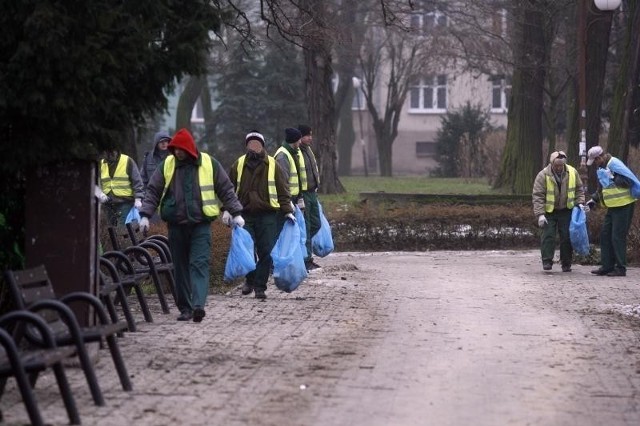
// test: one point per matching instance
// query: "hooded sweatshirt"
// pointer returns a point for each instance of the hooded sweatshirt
(153, 158)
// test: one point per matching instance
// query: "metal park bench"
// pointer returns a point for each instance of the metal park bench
(25, 364)
(32, 290)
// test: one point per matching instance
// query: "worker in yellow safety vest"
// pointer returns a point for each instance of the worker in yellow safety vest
(263, 191)
(121, 186)
(617, 185)
(556, 190)
(188, 188)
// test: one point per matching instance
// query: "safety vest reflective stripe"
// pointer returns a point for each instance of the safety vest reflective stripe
(210, 205)
(294, 183)
(271, 180)
(550, 200)
(119, 184)
(617, 197)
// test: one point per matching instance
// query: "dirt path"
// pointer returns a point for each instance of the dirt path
(440, 338)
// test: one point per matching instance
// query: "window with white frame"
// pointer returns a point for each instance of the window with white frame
(500, 93)
(427, 18)
(429, 94)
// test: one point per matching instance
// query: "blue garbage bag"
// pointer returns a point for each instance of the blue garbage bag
(578, 231)
(322, 241)
(132, 216)
(303, 229)
(288, 261)
(241, 259)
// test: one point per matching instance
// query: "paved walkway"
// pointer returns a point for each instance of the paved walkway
(439, 338)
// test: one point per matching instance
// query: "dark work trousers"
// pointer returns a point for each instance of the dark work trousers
(263, 228)
(190, 246)
(558, 223)
(311, 218)
(117, 212)
(613, 237)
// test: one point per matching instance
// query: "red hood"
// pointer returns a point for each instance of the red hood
(183, 140)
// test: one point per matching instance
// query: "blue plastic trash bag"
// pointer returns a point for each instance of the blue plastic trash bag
(133, 216)
(241, 259)
(322, 241)
(604, 177)
(303, 229)
(578, 231)
(288, 261)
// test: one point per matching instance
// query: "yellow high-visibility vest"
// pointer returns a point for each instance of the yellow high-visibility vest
(210, 207)
(571, 190)
(271, 180)
(295, 184)
(616, 197)
(119, 184)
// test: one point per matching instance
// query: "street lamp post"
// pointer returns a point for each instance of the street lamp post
(357, 83)
(583, 5)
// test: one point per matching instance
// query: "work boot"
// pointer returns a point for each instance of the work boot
(311, 265)
(185, 316)
(601, 271)
(246, 288)
(260, 294)
(566, 268)
(547, 265)
(198, 314)
(618, 272)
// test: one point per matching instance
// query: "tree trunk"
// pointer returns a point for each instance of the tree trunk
(385, 156)
(209, 118)
(346, 139)
(626, 87)
(317, 59)
(522, 157)
(188, 99)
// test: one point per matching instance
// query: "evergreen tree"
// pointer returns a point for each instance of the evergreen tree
(255, 90)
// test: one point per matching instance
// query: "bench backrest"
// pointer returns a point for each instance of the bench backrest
(30, 285)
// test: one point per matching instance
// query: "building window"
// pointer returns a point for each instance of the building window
(425, 149)
(429, 94)
(499, 23)
(427, 18)
(359, 102)
(197, 114)
(500, 93)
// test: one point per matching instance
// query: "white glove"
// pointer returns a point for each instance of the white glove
(226, 218)
(584, 208)
(101, 196)
(301, 203)
(291, 217)
(137, 203)
(542, 221)
(238, 221)
(144, 224)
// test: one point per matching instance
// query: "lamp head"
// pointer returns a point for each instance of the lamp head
(607, 5)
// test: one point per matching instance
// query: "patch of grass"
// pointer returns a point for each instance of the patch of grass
(354, 185)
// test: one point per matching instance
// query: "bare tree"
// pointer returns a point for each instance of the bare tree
(401, 56)
(625, 115)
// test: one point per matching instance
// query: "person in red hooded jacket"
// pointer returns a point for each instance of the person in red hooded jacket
(188, 186)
